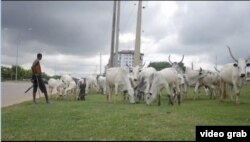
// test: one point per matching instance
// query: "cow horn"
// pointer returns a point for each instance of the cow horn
(182, 59)
(232, 54)
(216, 69)
(169, 60)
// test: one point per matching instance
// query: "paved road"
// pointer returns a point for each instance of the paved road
(13, 92)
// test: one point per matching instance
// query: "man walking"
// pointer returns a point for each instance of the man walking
(37, 78)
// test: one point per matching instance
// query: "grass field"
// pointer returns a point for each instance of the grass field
(96, 119)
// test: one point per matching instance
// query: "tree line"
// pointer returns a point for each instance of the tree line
(9, 73)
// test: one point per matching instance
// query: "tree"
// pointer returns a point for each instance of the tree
(159, 65)
(5, 73)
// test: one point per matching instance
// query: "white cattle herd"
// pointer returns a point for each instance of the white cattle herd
(145, 83)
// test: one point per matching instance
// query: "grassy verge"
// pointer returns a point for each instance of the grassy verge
(96, 119)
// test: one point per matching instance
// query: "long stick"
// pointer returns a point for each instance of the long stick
(28, 89)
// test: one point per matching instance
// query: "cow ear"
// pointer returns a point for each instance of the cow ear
(235, 65)
(248, 64)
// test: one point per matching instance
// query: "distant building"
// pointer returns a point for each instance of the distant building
(126, 57)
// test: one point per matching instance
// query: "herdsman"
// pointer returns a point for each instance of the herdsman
(37, 78)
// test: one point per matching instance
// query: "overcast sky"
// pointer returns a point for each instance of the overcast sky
(71, 35)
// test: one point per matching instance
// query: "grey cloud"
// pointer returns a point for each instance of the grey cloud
(66, 27)
(208, 27)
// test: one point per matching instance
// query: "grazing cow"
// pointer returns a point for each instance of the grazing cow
(234, 74)
(211, 82)
(176, 65)
(71, 88)
(91, 84)
(144, 82)
(182, 76)
(188, 76)
(164, 78)
(101, 81)
(66, 79)
(52, 85)
(56, 86)
(134, 71)
(192, 77)
(118, 77)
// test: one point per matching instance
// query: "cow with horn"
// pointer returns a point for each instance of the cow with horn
(234, 74)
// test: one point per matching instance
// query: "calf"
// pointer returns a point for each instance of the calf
(165, 78)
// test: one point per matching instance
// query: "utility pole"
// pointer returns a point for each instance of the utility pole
(137, 52)
(100, 63)
(216, 61)
(117, 33)
(17, 60)
(111, 63)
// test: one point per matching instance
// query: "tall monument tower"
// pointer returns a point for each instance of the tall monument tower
(138, 36)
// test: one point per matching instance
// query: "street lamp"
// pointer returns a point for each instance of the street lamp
(29, 29)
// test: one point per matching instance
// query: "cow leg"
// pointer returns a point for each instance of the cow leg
(168, 93)
(159, 99)
(223, 91)
(124, 96)
(238, 98)
(170, 102)
(179, 98)
(109, 93)
(196, 90)
(237, 92)
(111, 96)
(116, 92)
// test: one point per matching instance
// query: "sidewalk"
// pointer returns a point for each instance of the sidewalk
(13, 92)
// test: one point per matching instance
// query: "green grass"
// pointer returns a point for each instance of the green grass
(96, 119)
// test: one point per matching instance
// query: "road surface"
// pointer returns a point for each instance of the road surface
(13, 92)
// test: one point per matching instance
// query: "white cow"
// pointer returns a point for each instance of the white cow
(71, 88)
(234, 74)
(56, 86)
(165, 78)
(182, 77)
(91, 83)
(66, 79)
(192, 77)
(188, 76)
(52, 86)
(134, 72)
(176, 65)
(101, 81)
(144, 81)
(118, 77)
(211, 82)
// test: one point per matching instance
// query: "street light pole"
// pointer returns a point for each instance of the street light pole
(17, 56)
(100, 63)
